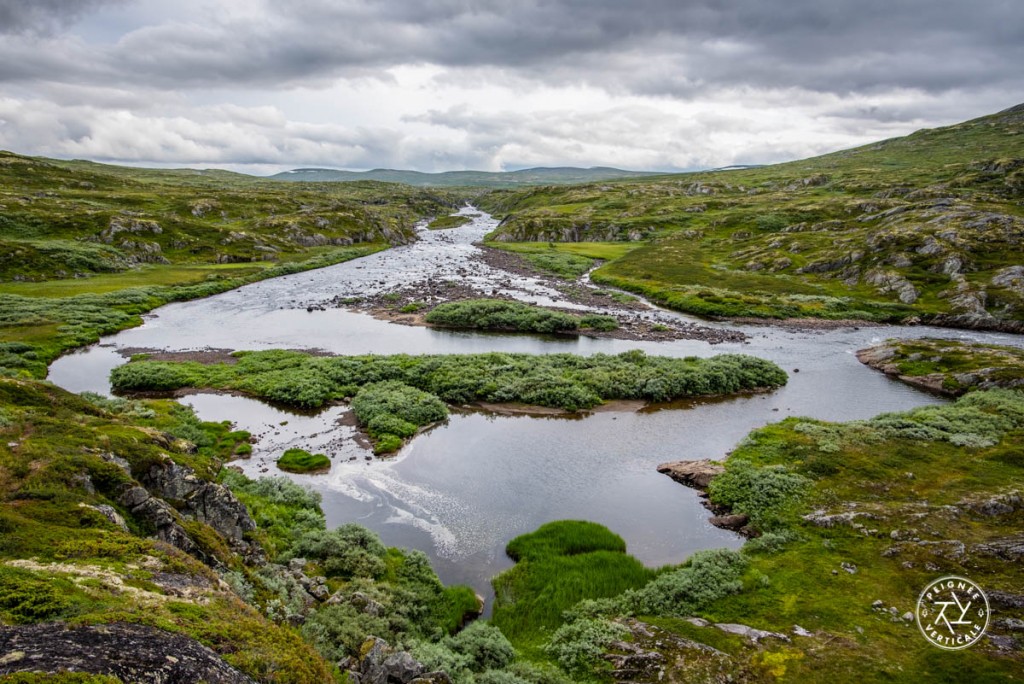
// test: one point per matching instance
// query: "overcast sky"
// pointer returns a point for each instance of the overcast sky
(265, 85)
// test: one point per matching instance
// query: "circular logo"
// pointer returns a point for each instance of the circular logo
(952, 613)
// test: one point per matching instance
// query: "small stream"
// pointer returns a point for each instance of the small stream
(461, 491)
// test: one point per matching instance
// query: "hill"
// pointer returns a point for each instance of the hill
(928, 227)
(85, 248)
(481, 179)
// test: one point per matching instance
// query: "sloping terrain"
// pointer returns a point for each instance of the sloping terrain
(928, 226)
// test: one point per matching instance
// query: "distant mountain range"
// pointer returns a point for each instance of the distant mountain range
(504, 179)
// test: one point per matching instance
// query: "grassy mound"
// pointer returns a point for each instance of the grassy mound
(558, 566)
(301, 461)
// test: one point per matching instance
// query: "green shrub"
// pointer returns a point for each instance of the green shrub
(301, 461)
(497, 314)
(26, 597)
(387, 444)
(396, 384)
(479, 647)
(388, 423)
(706, 577)
(762, 492)
(396, 399)
(337, 631)
(578, 646)
(347, 551)
(600, 322)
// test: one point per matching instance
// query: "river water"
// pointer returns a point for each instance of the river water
(461, 491)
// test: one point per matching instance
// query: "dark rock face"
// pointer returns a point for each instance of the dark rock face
(132, 653)
(162, 517)
(198, 499)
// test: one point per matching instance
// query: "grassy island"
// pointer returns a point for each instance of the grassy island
(301, 461)
(509, 316)
(392, 396)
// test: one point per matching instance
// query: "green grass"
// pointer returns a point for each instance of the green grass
(301, 461)
(143, 276)
(557, 566)
(34, 330)
(863, 466)
(568, 260)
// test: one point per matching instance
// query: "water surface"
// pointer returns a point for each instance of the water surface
(463, 490)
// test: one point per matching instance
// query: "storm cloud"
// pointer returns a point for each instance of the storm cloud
(657, 83)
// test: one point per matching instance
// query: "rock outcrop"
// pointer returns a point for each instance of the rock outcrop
(379, 663)
(696, 474)
(198, 499)
(132, 653)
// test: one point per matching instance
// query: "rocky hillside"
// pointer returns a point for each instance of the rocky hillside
(929, 226)
(126, 550)
(74, 219)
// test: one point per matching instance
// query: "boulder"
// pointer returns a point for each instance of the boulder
(696, 474)
(735, 521)
(131, 653)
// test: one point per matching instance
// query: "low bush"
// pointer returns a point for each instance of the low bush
(761, 492)
(389, 384)
(347, 551)
(706, 577)
(498, 314)
(578, 646)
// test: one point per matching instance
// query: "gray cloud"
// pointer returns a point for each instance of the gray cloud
(680, 83)
(44, 16)
(659, 47)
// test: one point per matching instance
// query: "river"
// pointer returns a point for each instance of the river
(461, 491)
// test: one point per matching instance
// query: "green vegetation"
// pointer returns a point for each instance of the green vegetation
(924, 226)
(65, 459)
(301, 461)
(565, 381)
(568, 260)
(444, 222)
(505, 315)
(558, 566)
(393, 411)
(948, 366)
